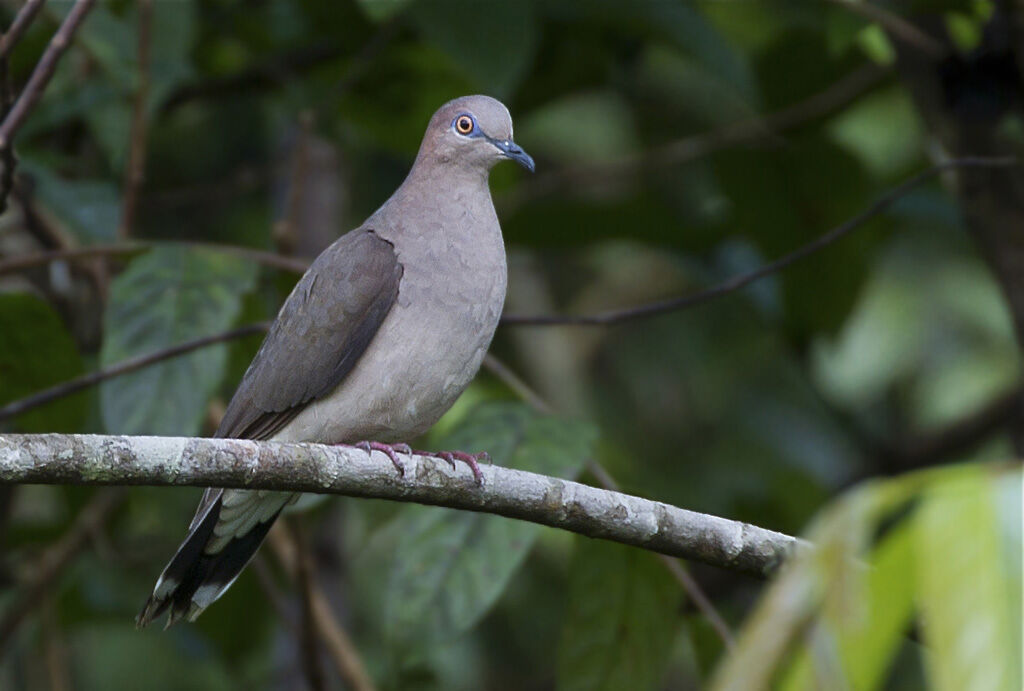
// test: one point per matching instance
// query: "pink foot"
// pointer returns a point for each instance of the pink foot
(390, 450)
(470, 459)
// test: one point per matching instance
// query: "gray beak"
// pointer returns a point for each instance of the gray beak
(514, 152)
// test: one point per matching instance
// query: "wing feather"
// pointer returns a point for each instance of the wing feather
(323, 328)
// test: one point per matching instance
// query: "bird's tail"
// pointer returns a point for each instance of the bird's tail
(224, 536)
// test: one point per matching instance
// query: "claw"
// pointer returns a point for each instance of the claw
(467, 458)
(388, 450)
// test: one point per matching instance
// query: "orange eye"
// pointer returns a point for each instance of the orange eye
(464, 124)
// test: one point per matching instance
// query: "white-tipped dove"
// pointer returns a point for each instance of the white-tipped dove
(377, 340)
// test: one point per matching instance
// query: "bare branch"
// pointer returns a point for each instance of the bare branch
(897, 27)
(235, 463)
(743, 280)
(136, 168)
(514, 382)
(342, 651)
(21, 22)
(29, 261)
(678, 571)
(818, 105)
(43, 72)
(7, 158)
(309, 634)
(86, 380)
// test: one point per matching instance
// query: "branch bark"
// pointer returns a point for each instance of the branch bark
(589, 511)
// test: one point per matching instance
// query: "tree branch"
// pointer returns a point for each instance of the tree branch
(86, 380)
(689, 148)
(21, 22)
(43, 72)
(342, 651)
(743, 280)
(589, 511)
(897, 27)
(263, 257)
(135, 169)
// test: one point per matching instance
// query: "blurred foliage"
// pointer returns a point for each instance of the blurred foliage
(938, 548)
(763, 406)
(168, 296)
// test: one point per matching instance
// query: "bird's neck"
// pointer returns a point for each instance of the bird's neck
(449, 200)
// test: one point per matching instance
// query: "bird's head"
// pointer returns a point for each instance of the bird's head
(473, 132)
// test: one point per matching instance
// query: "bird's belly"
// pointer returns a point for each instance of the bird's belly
(418, 363)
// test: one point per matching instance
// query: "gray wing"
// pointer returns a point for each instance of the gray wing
(320, 333)
(323, 328)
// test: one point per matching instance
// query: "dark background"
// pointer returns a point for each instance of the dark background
(677, 145)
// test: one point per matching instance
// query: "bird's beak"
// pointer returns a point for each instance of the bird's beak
(513, 151)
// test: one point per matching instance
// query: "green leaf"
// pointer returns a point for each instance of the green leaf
(837, 615)
(165, 297)
(591, 127)
(451, 566)
(964, 586)
(91, 209)
(36, 352)
(622, 615)
(492, 42)
(113, 41)
(865, 630)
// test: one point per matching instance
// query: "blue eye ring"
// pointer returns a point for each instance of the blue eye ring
(464, 124)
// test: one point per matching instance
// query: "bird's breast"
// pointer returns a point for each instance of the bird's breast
(428, 348)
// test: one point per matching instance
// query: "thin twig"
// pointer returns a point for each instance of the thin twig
(21, 22)
(818, 105)
(896, 25)
(309, 635)
(56, 559)
(7, 158)
(700, 599)
(603, 318)
(136, 168)
(54, 649)
(86, 380)
(43, 72)
(516, 384)
(913, 452)
(682, 575)
(342, 651)
(270, 259)
(738, 282)
(678, 571)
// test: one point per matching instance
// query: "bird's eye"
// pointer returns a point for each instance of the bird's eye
(463, 124)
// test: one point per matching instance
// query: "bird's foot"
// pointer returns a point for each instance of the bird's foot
(470, 459)
(389, 450)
